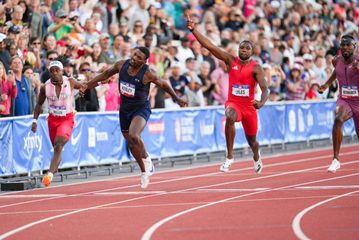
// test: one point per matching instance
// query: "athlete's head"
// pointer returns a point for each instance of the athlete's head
(56, 71)
(347, 46)
(245, 50)
(140, 56)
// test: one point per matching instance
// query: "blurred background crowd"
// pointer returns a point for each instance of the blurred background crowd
(295, 42)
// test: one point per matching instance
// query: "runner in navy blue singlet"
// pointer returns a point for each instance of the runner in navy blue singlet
(135, 110)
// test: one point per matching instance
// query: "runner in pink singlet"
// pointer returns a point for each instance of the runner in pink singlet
(347, 72)
(58, 91)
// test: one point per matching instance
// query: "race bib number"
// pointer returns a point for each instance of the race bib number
(350, 91)
(240, 90)
(127, 89)
(57, 110)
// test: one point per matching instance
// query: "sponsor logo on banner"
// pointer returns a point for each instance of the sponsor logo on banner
(156, 127)
(32, 142)
(94, 136)
(206, 129)
(292, 121)
(184, 130)
(74, 140)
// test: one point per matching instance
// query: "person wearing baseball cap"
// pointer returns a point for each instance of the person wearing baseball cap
(59, 92)
(346, 70)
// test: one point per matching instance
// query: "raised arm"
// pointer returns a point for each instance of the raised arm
(259, 76)
(151, 77)
(105, 75)
(205, 42)
(40, 100)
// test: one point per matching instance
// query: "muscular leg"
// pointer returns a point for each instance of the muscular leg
(134, 141)
(252, 141)
(230, 131)
(337, 134)
(59, 144)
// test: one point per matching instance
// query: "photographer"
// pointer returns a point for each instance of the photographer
(64, 25)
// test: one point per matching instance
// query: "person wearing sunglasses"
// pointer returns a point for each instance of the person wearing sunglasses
(59, 93)
(346, 70)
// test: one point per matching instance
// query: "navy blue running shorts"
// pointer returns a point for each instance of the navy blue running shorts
(129, 111)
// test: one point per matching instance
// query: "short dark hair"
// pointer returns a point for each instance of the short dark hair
(145, 51)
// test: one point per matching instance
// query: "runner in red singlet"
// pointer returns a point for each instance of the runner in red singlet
(346, 70)
(244, 75)
(58, 91)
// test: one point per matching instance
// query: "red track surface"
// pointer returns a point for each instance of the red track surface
(294, 197)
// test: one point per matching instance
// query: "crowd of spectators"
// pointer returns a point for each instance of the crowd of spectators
(295, 42)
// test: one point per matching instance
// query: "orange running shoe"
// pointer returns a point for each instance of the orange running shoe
(46, 181)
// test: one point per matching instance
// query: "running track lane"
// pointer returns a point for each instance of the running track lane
(197, 203)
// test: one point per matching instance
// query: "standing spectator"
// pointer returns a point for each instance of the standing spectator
(220, 79)
(8, 91)
(297, 85)
(4, 53)
(89, 102)
(25, 99)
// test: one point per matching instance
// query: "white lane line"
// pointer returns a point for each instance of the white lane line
(14, 231)
(129, 193)
(232, 189)
(33, 196)
(148, 234)
(329, 187)
(296, 221)
(171, 180)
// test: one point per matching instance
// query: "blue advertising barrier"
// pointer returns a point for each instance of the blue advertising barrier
(97, 138)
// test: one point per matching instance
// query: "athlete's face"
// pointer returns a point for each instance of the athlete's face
(245, 50)
(138, 58)
(347, 48)
(56, 75)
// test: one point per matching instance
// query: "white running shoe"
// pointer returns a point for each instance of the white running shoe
(334, 166)
(226, 165)
(145, 180)
(149, 167)
(258, 166)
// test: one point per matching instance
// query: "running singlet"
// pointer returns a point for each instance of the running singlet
(62, 105)
(132, 89)
(348, 78)
(242, 84)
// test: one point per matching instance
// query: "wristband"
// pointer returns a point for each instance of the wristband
(34, 120)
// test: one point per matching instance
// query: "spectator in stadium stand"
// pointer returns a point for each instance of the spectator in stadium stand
(346, 71)
(25, 100)
(4, 53)
(8, 91)
(59, 92)
(107, 55)
(219, 78)
(244, 75)
(63, 25)
(16, 18)
(297, 84)
(135, 80)
(89, 102)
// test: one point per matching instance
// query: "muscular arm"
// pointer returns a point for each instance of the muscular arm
(77, 85)
(105, 75)
(259, 76)
(40, 100)
(331, 79)
(150, 77)
(205, 42)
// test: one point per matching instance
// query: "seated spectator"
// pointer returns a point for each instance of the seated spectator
(297, 85)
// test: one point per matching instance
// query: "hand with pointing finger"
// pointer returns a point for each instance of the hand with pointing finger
(190, 23)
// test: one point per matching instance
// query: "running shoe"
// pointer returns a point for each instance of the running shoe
(258, 166)
(226, 165)
(334, 166)
(46, 180)
(149, 167)
(145, 180)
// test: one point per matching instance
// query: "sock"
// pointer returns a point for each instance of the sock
(50, 174)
